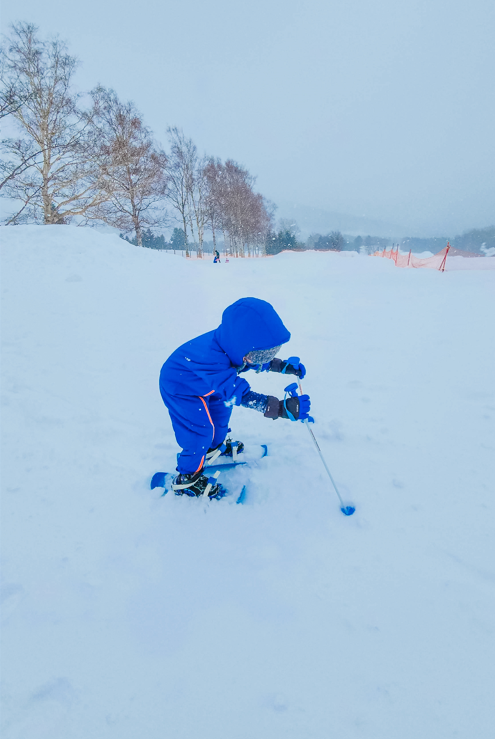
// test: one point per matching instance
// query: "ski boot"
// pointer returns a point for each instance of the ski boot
(196, 485)
(228, 448)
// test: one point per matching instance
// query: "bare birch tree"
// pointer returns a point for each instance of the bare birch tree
(53, 172)
(212, 175)
(244, 214)
(12, 96)
(181, 173)
(244, 217)
(133, 166)
(199, 200)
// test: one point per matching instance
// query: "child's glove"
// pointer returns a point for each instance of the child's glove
(296, 408)
(291, 366)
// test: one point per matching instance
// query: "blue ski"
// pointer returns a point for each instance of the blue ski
(159, 479)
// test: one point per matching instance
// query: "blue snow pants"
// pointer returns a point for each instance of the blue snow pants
(199, 423)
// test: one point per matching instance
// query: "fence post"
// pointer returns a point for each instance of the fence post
(444, 260)
(409, 257)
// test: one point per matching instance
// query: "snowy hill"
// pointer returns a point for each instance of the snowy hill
(129, 615)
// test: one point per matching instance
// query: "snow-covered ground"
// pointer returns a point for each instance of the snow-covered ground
(128, 615)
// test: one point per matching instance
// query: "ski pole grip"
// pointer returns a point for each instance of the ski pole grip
(291, 389)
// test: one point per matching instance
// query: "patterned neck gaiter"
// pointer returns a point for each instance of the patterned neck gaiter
(262, 356)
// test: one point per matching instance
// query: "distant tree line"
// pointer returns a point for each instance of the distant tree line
(282, 239)
(177, 242)
(333, 241)
(286, 237)
(99, 162)
(477, 240)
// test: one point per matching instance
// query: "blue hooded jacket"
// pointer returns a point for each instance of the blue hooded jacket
(209, 364)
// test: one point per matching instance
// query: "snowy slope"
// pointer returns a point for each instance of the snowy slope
(128, 615)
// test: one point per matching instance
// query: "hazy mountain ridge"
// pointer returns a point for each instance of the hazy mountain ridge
(316, 220)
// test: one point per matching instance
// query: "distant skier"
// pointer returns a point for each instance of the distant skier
(200, 384)
(217, 258)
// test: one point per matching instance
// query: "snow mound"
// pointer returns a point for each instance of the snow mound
(127, 615)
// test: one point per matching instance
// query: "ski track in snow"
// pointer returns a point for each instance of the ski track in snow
(129, 615)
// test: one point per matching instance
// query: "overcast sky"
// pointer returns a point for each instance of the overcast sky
(382, 108)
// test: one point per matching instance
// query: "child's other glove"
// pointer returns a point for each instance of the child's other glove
(291, 366)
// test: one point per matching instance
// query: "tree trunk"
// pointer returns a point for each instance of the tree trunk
(137, 223)
(192, 227)
(184, 223)
(47, 201)
(213, 234)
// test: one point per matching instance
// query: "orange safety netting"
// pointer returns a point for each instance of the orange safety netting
(455, 261)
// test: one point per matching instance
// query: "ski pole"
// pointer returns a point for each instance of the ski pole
(347, 510)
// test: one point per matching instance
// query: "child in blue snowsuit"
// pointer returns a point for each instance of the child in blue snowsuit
(200, 384)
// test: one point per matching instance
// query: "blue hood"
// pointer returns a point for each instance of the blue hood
(249, 324)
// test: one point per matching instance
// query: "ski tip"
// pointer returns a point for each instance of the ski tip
(158, 480)
(242, 497)
(348, 510)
